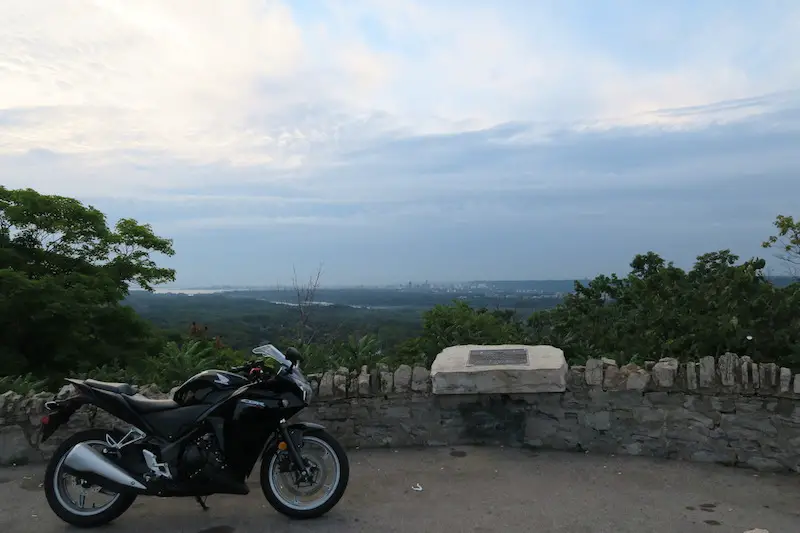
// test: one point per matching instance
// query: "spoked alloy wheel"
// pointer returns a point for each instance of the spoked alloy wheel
(73, 499)
(76, 494)
(299, 498)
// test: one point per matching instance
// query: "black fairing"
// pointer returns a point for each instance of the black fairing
(250, 417)
(208, 388)
(175, 423)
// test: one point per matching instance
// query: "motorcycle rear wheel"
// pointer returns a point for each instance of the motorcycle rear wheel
(284, 494)
(61, 503)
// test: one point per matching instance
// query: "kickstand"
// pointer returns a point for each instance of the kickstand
(202, 502)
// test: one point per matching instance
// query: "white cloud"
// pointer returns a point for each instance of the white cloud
(180, 77)
(145, 97)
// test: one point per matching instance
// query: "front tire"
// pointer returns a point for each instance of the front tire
(61, 503)
(284, 495)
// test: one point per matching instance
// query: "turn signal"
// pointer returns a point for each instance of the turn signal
(282, 446)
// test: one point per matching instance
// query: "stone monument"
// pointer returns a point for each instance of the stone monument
(500, 369)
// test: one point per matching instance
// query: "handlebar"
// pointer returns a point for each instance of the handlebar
(239, 369)
(248, 367)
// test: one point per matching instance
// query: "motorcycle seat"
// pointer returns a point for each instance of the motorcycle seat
(125, 389)
(144, 405)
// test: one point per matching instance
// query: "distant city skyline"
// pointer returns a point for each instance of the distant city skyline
(411, 139)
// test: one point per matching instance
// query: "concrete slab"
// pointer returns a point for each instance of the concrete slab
(499, 369)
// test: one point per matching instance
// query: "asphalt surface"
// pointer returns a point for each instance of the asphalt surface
(467, 489)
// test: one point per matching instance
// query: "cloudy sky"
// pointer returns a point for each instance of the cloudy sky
(396, 140)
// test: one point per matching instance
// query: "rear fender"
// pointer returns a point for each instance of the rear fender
(59, 413)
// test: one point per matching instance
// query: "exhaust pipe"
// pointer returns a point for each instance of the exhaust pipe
(84, 458)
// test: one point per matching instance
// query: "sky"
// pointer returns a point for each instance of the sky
(398, 140)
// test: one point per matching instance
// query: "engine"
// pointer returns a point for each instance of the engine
(202, 459)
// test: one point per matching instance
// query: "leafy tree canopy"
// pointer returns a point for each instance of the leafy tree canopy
(63, 274)
(787, 242)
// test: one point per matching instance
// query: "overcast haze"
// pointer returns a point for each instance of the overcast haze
(398, 140)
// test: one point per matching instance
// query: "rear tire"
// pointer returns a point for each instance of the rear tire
(279, 503)
(55, 498)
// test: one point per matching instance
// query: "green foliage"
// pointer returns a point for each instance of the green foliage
(787, 241)
(63, 274)
(177, 362)
(459, 323)
(360, 351)
(23, 384)
(319, 357)
(659, 310)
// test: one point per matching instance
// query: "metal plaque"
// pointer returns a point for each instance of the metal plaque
(514, 356)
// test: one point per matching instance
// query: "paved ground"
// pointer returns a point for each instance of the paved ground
(471, 490)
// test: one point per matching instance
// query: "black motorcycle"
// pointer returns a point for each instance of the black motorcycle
(205, 440)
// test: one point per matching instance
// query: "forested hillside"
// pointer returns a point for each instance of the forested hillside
(67, 309)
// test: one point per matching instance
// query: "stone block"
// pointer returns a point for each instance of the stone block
(610, 374)
(785, 380)
(340, 382)
(387, 382)
(706, 372)
(65, 392)
(326, 385)
(420, 379)
(594, 372)
(500, 369)
(728, 365)
(768, 376)
(745, 375)
(691, 376)
(665, 372)
(600, 421)
(576, 378)
(15, 449)
(363, 382)
(637, 378)
(402, 378)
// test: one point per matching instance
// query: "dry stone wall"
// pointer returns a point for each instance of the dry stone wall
(726, 410)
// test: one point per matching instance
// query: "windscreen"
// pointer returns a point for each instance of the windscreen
(268, 350)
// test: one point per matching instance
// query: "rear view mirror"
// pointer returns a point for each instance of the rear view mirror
(294, 355)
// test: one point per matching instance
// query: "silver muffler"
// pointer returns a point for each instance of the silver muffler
(84, 458)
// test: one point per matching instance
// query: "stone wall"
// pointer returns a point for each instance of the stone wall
(726, 410)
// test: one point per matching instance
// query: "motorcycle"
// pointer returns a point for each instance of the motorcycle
(205, 440)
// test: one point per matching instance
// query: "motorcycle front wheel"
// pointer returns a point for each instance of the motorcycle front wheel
(302, 499)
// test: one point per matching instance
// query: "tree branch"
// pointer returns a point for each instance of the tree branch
(305, 295)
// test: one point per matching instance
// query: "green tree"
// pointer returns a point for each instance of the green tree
(459, 323)
(660, 310)
(787, 241)
(63, 274)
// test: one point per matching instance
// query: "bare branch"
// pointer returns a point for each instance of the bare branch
(305, 295)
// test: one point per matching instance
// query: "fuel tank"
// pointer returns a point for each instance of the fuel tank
(208, 388)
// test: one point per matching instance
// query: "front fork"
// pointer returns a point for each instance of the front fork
(293, 443)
